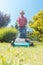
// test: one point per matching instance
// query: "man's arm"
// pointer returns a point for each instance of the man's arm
(25, 22)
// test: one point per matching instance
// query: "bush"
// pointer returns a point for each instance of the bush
(35, 36)
(7, 34)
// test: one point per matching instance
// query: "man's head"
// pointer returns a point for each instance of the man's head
(22, 13)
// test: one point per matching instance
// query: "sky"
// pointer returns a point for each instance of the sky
(13, 7)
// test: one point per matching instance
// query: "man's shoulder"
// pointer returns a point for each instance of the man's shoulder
(18, 18)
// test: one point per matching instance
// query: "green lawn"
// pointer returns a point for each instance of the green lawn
(10, 55)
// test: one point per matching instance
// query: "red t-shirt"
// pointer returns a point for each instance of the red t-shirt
(22, 21)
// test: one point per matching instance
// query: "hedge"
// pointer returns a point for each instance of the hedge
(7, 34)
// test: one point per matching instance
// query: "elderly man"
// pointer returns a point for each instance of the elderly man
(22, 21)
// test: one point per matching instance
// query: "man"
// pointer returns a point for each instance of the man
(22, 21)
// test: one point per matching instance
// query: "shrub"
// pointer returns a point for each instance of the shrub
(35, 36)
(7, 34)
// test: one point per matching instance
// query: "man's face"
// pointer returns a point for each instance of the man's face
(22, 15)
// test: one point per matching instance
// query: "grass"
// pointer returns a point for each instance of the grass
(10, 55)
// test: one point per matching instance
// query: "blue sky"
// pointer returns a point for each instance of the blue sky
(13, 7)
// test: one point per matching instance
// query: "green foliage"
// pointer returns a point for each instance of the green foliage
(35, 35)
(38, 22)
(16, 25)
(7, 34)
(37, 25)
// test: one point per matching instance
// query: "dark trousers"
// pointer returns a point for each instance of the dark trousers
(22, 31)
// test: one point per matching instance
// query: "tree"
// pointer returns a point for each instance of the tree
(4, 19)
(37, 24)
(16, 25)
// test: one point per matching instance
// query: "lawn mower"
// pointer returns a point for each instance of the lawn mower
(22, 42)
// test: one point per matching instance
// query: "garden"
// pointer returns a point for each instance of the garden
(10, 55)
